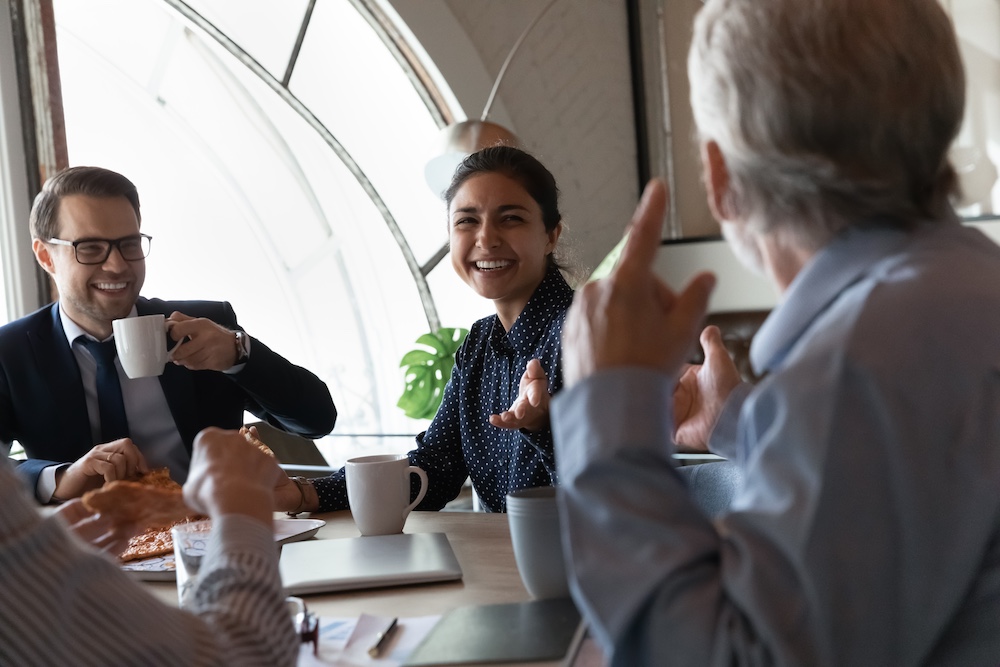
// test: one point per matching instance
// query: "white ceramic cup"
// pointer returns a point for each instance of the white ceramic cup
(378, 489)
(142, 345)
(533, 516)
(190, 546)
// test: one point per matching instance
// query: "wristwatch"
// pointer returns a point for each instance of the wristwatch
(242, 347)
(300, 482)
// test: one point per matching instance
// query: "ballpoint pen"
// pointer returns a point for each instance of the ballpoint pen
(382, 639)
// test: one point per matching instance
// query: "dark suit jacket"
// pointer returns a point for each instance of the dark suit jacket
(42, 403)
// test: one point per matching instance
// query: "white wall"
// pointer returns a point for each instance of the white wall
(976, 151)
(566, 95)
(736, 287)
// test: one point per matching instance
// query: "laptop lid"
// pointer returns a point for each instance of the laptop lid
(321, 566)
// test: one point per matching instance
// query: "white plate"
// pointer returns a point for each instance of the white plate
(162, 568)
(296, 530)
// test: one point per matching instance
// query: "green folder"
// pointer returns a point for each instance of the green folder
(536, 631)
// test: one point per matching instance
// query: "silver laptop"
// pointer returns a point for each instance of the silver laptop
(321, 566)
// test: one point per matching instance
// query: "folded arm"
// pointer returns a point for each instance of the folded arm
(285, 395)
(277, 391)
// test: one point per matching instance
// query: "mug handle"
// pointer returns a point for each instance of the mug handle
(414, 470)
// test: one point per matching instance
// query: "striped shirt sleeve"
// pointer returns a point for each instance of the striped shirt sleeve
(62, 603)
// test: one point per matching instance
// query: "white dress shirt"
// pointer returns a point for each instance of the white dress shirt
(151, 426)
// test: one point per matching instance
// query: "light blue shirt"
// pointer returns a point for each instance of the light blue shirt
(868, 528)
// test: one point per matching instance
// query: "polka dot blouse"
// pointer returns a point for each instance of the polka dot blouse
(460, 442)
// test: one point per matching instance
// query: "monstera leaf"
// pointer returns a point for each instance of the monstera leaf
(428, 371)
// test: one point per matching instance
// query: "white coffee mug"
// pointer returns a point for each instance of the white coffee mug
(533, 516)
(142, 345)
(378, 490)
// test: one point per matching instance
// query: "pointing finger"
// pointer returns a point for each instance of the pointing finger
(645, 230)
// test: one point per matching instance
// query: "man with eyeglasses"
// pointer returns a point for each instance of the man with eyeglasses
(58, 396)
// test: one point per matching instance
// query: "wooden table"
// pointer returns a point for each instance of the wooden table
(481, 542)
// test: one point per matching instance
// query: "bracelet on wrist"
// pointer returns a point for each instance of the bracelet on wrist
(300, 482)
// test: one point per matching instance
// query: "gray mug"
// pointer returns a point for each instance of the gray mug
(533, 516)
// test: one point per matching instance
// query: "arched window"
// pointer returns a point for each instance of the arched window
(278, 149)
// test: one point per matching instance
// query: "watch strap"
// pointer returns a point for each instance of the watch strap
(300, 482)
(242, 347)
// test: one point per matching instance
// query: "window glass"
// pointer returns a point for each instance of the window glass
(247, 202)
(4, 316)
(378, 97)
(266, 29)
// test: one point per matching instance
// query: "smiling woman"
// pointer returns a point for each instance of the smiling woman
(501, 242)
(493, 423)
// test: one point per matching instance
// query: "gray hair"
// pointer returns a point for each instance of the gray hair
(829, 112)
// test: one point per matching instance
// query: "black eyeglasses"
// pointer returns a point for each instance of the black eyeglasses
(97, 251)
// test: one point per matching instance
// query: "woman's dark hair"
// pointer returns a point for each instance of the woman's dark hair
(519, 166)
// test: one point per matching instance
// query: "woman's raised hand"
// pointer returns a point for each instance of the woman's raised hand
(531, 409)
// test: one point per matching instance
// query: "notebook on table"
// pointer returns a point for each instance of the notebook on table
(539, 631)
(321, 566)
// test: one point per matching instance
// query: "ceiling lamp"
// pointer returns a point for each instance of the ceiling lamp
(458, 140)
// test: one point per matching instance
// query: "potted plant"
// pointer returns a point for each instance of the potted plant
(427, 371)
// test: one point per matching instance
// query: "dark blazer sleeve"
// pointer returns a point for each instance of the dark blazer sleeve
(269, 386)
(285, 395)
(42, 404)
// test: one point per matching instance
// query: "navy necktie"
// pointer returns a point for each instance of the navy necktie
(114, 424)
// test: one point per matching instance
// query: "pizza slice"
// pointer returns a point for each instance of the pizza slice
(151, 501)
(156, 541)
(133, 503)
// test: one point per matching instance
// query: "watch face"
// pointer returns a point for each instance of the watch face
(243, 344)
